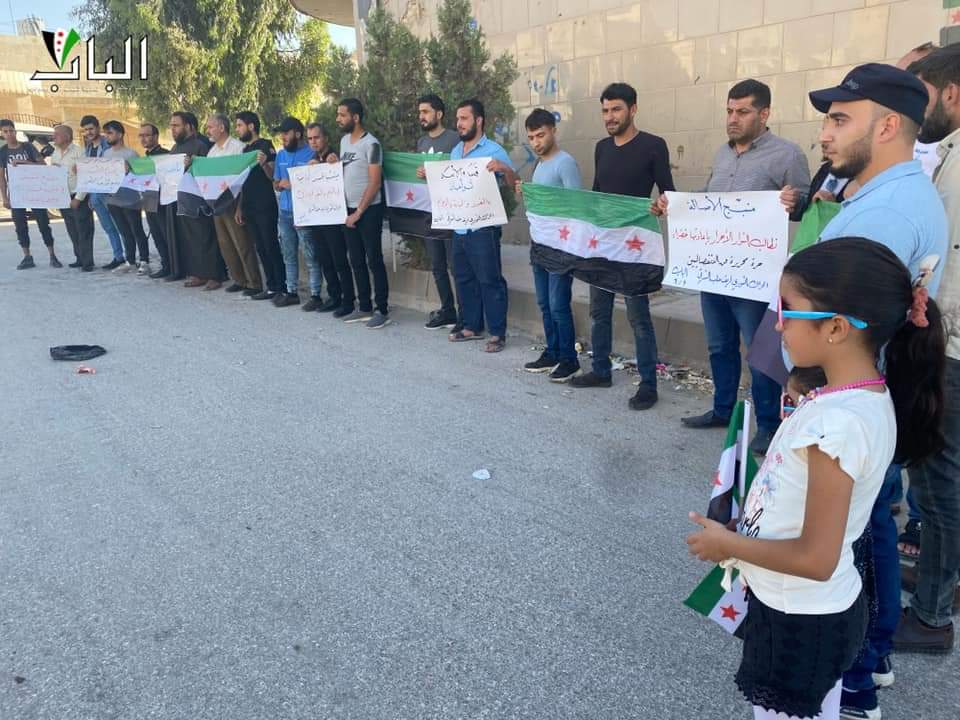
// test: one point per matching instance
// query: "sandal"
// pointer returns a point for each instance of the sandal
(463, 336)
(908, 543)
(495, 345)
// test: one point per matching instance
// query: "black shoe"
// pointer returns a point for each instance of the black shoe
(590, 380)
(458, 327)
(55, 262)
(88, 268)
(26, 263)
(565, 371)
(75, 264)
(159, 274)
(264, 295)
(645, 398)
(313, 304)
(287, 299)
(173, 278)
(761, 441)
(343, 312)
(544, 363)
(250, 292)
(859, 705)
(234, 288)
(330, 305)
(112, 265)
(708, 420)
(439, 321)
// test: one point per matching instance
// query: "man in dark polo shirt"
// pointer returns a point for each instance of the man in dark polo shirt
(629, 162)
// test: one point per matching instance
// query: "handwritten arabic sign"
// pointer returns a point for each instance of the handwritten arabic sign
(169, 169)
(727, 243)
(100, 175)
(318, 194)
(38, 186)
(464, 194)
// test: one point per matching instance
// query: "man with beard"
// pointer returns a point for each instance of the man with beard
(752, 159)
(195, 250)
(476, 253)
(150, 141)
(872, 121)
(127, 220)
(627, 162)
(257, 209)
(438, 139)
(95, 145)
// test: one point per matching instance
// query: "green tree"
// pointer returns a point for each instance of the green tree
(214, 55)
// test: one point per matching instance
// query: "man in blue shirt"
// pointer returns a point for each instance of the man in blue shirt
(872, 122)
(293, 154)
(94, 146)
(476, 253)
(557, 168)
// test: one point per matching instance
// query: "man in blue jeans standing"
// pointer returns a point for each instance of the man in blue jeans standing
(476, 253)
(95, 146)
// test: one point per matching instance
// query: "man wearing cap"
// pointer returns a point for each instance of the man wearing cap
(872, 121)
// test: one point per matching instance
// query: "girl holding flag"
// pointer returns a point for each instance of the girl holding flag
(842, 303)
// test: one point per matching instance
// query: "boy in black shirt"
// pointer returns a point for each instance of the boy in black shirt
(11, 153)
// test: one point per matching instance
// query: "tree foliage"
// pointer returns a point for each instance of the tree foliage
(215, 55)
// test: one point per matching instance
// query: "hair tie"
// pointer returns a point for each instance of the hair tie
(918, 310)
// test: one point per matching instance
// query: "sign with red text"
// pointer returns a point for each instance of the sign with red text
(100, 175)
(38, 186)
(727, 243)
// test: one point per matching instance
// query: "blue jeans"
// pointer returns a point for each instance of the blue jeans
(553, 297)
(601, 334)
(886, 562)
(291, 238)
(99, 205)
(725, 319)
(480, 281)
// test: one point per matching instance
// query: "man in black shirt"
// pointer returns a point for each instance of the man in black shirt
(11, 153)
(150, 140)
(629, 162)
(257, 209)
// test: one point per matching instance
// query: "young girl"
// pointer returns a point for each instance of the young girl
(842, 301)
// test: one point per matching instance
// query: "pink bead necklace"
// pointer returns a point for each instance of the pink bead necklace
(827, 390)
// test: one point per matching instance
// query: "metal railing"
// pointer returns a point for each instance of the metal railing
(31, 119)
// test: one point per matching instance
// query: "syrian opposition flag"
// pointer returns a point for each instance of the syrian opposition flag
(408, 198)
(140, 187)
(766, 351)
(211, 185)
(731, 483)
(610, 241)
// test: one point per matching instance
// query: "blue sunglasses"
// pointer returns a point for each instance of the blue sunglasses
(812, 315)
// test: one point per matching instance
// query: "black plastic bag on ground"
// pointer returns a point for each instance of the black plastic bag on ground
(75, 353)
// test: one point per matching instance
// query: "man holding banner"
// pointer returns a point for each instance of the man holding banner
(150, 141)
(95, 145)
(127, 219)
(78, 217)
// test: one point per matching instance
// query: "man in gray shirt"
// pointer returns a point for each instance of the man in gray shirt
(128, 220)
(438, 139)
(753, 159)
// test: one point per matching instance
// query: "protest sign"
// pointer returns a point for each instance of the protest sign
(464, 195)
(727, 243)
(100, 175)
(38, 186)
(169, 170)
(318, 194)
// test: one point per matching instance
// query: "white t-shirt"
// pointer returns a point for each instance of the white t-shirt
(231, 146)
(926, 153)
(856, 427)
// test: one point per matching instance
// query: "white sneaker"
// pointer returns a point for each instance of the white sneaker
(124, 267)
(143, 268)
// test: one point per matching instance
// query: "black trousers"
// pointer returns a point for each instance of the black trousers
(23, 231)
(331, 247)
(79, 222)
(441, 255)
(261, 222)
(365, 248)
(130, 225)
(158, 232)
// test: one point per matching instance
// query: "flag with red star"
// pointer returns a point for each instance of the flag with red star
(610, 241)
(727, 608)
(139, 189)
(407, 196)
(212, 184)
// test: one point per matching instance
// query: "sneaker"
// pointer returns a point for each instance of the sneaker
(313, 304)
(113, 264)
(883, 673)
(358, 316)
(439, 321)
(330, 305)
(286, 299)
(566, 370)
(144, 268)
(709, 419)
(645, 398)
(343, 312)
(264, 295)
(590, 380)
(379, 320)
(124, 267)
(250, 292)
(915, 636)
(761, 441)
(26, 263)
(234, 288)
(55, 262)
(160, 274)
(544, 363)
(859, 705)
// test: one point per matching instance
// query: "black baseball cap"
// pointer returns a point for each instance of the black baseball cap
(291, 123)
(887, 85)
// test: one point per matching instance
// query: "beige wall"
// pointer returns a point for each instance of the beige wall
(682, 56)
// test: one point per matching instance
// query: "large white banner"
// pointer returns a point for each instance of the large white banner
(318, 194)
(727, 243)
(464, 194)
(38, 186)
(100, 175)
(169, 169)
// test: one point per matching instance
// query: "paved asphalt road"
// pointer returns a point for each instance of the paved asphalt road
(253, 513)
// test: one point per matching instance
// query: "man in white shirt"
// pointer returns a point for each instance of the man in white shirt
(78, 217)
(236, 245)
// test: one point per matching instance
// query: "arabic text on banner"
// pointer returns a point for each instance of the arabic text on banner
(100, 175)
(727, 243)
(318, 194)
(38, 186)
(464, 194)
(169, 169)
